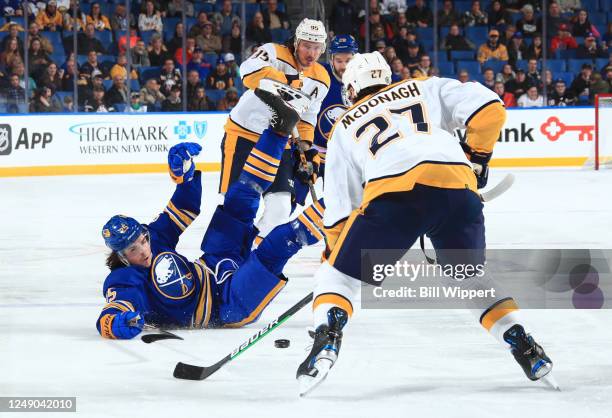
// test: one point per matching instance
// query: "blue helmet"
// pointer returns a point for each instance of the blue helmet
(121, 231)
(343, 43)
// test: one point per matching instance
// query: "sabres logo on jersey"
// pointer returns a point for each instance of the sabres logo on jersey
(171, 276)
(328, 117)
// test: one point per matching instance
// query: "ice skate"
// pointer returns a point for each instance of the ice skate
(295, 98)
(324, 352)
(284, 117)
(530, 355)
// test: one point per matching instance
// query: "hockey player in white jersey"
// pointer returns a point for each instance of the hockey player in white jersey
(395, 172)
(294, 64)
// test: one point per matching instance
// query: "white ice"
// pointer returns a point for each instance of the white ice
(403, 363)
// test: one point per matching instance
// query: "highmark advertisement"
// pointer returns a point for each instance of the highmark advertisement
(137, 143)
(104, 143)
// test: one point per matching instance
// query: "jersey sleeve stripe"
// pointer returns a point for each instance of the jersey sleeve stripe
(176, 220)
(256, 172)
(262, 165)
(180, 213)
(265, 157)
(467, 121)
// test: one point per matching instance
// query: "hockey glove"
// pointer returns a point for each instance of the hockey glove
(127, 325)
(480, 164)
(306, 168)
(180, 161)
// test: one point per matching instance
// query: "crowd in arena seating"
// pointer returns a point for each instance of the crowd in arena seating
(498, 43)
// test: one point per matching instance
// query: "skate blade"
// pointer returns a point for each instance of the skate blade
(550, 381)
(308, 383)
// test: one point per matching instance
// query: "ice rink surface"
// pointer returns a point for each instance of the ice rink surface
(399, 363)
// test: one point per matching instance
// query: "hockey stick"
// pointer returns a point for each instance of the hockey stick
(191, 372)
(150, 338)
(499, 189)
(296, 141)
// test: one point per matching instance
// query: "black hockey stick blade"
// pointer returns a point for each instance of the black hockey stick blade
(191, 372)
(164, 335)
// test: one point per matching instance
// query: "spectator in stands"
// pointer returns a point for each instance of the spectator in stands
(607, 37)
(475, 16)
(86, 41)
(448, 16)
(582, 82)
(173, 101)
(157, 51)
(50, 18)
(517, 50)
(120, 68)
(396, 69)
(37, 58)
(598, 86)
(10, 53)
(380, 46)
(51, 77)
(96, 18)
(150, 19)
(419, 14)
(400, 43)
(169, 77)
(232, 67)
(518, 85)
(225, 18)
(560, 96)
(405, 75)
(498, 15)
(257, 32)
(389, 54)
(273, 18)
(199, 101)
(198, 64)
(507, 34)
(140, 55)
(392, 7)
(136, 105)
(233, 42)
(506, 74)
(532, 74)
(92, 67)
(198, 27)
(532, 98)
(590, 49)
(529, 24)
(506, 97)
(554, 18)
(230, 100)
(568, 6)
(11, 8)
(193, 82)
(118, 93)
(13, 33)
(536, 49)
(399, 22)
(220, 78)
(454, 41)
(208, 41)
(34, 33)
(121, 19)
(492, 49)
(378, 34)
(424, 69)
(343, 18)
(151, 96)
(488, 76)
(563, 40)
(582, 26)
(14, 94)
(375, 21)
(122, 43)
(608, 74)
(70, 72)
(175, 8)
(414, 56)
(463, 76)
(68, 104)
(70, 15)
(42, 101)
(190, 44)
(97, 103)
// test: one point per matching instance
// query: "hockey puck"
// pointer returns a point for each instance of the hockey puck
(281, 343)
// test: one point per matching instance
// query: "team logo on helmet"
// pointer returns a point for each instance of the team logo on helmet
(171, 276)
(106, 233)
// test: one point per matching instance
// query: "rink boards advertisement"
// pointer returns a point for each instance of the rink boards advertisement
(55, 144)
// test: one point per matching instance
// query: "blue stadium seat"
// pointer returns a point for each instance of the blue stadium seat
(215, 95)
(610, 16)
(81, 59)
(211, 58)
(463, 6)
(204, 7)
(423, 33)
(119, 107)
(477, 34)
(600, 63)
(522, 64)
(107, 84)
(134, 85)
(58, 57)
(149, 72)
(556, 66)
(495, 65)
(280, 35)
(442, 56)
(565, 54)
(61, 94)
(447, 69)
(56, 41)
(462, 55)
(444, 31)
(598, 19)
(105, 36)
(477, 77)
(147, 35)
(18, 19)
(579, 40)
(473, 67)
(428, 44)
(575, 65)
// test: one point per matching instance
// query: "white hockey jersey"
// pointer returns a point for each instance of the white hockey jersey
(251, 116)
(402, 135)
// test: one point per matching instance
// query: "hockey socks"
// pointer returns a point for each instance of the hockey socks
(262, 164)
(500, 317)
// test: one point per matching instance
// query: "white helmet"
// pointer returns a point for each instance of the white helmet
(366, 70)
(311, 30)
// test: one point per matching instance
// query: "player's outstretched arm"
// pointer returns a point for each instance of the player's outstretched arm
(120, 318)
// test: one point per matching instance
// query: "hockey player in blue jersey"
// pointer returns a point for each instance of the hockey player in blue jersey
(342, 48)
(229, 285)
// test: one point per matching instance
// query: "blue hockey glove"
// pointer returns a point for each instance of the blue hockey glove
(180, 161)
(480, 164)
(127, 325)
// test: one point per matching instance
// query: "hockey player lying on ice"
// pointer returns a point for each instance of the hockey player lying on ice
(229, 285)
(395, 174)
